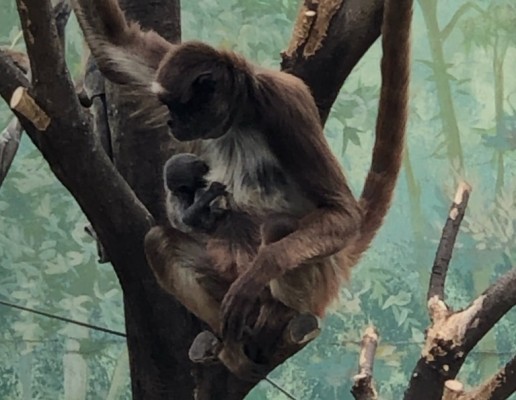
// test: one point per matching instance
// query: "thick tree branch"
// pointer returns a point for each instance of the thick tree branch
(329, 38)
(363, 386)
(67, 144)
(46, 57)
(499, 387)
(62, 11)
(136, 140)
(447, 242)
(10, 77)
(494, 303)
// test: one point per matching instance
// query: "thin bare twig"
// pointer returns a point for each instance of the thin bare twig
(62, 11)
(55, 96)
(447, 242)
(22, 102)
(363, 387)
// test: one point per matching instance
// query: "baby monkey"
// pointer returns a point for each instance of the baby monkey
(190, 201)
(192, 205)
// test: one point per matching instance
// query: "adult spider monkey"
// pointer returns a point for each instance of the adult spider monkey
(260, 132)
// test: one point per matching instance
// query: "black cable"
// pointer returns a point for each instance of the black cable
(274, 384)
(112, 332)
(71, 321)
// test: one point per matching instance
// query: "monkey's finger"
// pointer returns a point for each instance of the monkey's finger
(225, 317)
(233, 323)
(230, 326)
(217, 187)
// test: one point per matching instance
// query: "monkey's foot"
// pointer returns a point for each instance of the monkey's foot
(205, 348)
(303, 328)
(208, 349)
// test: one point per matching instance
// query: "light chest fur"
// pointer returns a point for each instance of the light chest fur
(243, 161)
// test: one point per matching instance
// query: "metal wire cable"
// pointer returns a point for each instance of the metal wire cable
(112, 332)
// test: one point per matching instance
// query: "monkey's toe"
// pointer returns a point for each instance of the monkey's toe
(205, 348)
(303, 328)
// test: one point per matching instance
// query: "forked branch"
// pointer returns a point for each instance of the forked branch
(68, 145)
(453, 334)
(331, 36)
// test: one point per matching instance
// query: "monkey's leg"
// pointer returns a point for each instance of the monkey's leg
(207, 349)
(280, 332)
(174, 257)
(277, 226)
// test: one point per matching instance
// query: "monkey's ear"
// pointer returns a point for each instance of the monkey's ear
(124, 53)
(202, 85)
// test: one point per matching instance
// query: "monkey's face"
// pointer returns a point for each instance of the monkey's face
(197, 88)
(185, 172)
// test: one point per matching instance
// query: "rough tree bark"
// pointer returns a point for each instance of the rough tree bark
(119, 190)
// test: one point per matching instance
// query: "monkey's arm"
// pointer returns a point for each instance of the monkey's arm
(201, 214)
(123, 51)
(322, 233)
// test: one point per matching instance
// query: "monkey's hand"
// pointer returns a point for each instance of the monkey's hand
(201, 214)
(216, 189)
(237, 306)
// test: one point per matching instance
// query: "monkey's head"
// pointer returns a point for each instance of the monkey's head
(202, 88)
(184, 173)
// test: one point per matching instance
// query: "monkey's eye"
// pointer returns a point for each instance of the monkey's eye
(204, 83)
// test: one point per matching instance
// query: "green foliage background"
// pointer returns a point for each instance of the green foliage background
(462, 124)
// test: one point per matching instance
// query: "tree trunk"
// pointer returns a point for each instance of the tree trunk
(159, 329)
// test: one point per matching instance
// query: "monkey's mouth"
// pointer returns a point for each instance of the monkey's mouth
(180, 137)
(183, 135)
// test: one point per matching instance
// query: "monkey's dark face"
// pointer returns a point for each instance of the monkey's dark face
(198, 87)
(185, 173)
